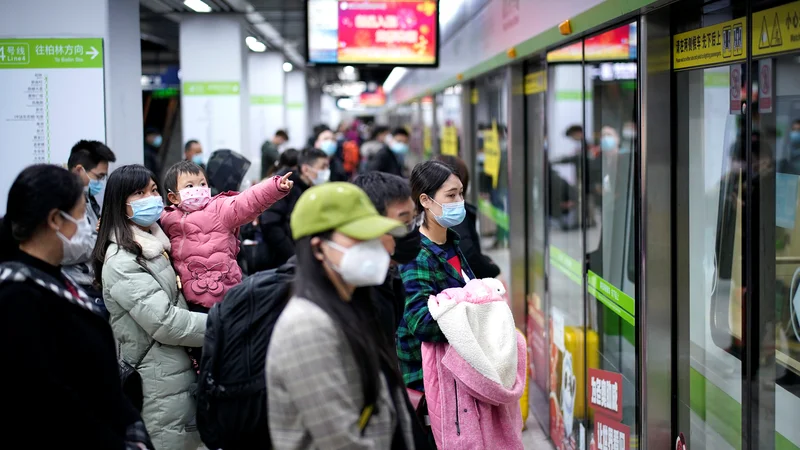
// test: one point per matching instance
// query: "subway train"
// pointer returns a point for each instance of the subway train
(636, 170)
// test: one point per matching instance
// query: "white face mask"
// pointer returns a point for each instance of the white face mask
(74, 246)
(364, 264)
(322, 177)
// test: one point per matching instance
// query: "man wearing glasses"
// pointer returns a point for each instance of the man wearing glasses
(391, 196)
(88, 160)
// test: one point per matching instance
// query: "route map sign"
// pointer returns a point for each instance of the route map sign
(53, 95)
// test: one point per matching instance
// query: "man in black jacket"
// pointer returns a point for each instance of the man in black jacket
(313, 169)
(381, 157)
(391, 196)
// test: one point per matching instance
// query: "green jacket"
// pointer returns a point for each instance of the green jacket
(144, 303)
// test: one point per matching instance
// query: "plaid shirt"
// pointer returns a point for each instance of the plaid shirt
(427, 275)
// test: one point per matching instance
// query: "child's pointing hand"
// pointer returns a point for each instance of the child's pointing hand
(285, 183)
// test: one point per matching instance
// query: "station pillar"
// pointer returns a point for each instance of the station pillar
(215, 108)
(267, 112)
(296, 102)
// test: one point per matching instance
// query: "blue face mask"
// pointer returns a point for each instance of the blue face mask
(328, 146)
(157, 141)
(197, 159)
(146, 211)
(401, 148)
(608, 143)
(96, 187)
(795, 137)
(452, 214)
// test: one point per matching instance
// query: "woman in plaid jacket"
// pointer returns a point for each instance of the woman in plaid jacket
(440, 264)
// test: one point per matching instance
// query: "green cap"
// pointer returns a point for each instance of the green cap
(341, 207)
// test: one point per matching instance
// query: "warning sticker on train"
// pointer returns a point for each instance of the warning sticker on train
(776, 29)
(715, 44)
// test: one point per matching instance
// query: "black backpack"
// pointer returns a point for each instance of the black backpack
(232, 392)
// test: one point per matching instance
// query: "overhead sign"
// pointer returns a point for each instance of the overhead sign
(450, 140)
(373, 32)
(776, 29)
(53, 95)
(715, 44)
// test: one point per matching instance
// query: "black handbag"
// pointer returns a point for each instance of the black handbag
(132, 381)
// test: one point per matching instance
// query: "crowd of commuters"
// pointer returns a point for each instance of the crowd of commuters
(86, 290)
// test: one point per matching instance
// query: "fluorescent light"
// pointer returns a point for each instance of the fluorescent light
(349, 70)
(197, 6)
(287, 66)
(391, 81)
(448, 10)
(254, 44)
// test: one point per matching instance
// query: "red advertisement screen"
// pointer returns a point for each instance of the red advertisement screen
(400, 32)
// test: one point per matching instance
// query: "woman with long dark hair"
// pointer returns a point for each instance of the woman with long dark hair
(332, 377)
(149, 315)
(440, 265)
(60, 364)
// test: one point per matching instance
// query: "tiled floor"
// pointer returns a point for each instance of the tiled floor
(534, 438)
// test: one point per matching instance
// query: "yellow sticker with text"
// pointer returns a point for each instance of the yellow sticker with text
(715, 44)
(776, 29)
(491, 151)
(450, 141)
(535, 83)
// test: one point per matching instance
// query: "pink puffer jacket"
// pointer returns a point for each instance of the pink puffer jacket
(205, 243)
(473, 384)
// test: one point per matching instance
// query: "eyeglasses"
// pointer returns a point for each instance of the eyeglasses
(414, 223)
(98, 177)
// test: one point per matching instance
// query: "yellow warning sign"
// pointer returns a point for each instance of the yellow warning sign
(449, 141)
(535, 82)
(491, 151)
(715, 44)
(776, 29)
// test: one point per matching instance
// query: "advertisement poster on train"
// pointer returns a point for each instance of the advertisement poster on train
(537, 341)
(53, 95)
(563, 392)
(605, 393)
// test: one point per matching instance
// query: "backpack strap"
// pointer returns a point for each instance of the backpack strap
(366, 414)
(17, 272)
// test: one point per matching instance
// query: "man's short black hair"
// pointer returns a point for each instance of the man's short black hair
(282, 134)
(89, 154)
(401, 131)
(309, 156)
(171, 177)
(383, 189)
(189, 144)
(379, 130)
(573, 129)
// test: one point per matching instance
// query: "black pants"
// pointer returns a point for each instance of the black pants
(196, 353)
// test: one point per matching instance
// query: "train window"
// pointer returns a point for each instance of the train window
(776, 182)
(610, 86)
(711, 165)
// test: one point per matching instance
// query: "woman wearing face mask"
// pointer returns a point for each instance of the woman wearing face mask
(331, 376)
(149, 315)
(61, 357)
(440, 265)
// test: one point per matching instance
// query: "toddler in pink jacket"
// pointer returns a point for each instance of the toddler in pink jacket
(473, 382)
(203, 230)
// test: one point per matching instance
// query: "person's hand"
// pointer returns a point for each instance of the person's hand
(285, 183)
(97, 229)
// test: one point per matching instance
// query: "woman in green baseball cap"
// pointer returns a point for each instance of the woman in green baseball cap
(332, 377)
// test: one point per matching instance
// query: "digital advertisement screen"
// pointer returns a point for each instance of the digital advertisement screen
(396, 33)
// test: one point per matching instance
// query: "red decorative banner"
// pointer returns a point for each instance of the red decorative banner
(390, 32)
(609, 435)
(605, 393)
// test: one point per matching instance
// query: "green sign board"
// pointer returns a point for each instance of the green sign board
(53, 53)
(266, 100)
(211, 88)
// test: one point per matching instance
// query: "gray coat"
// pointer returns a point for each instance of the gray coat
(144, 304)
(315, 397)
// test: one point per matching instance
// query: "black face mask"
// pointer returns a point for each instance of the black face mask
(407, 247)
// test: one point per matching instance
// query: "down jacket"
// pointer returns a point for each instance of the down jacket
(144, 304)
(204, 242)
(474, 382)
